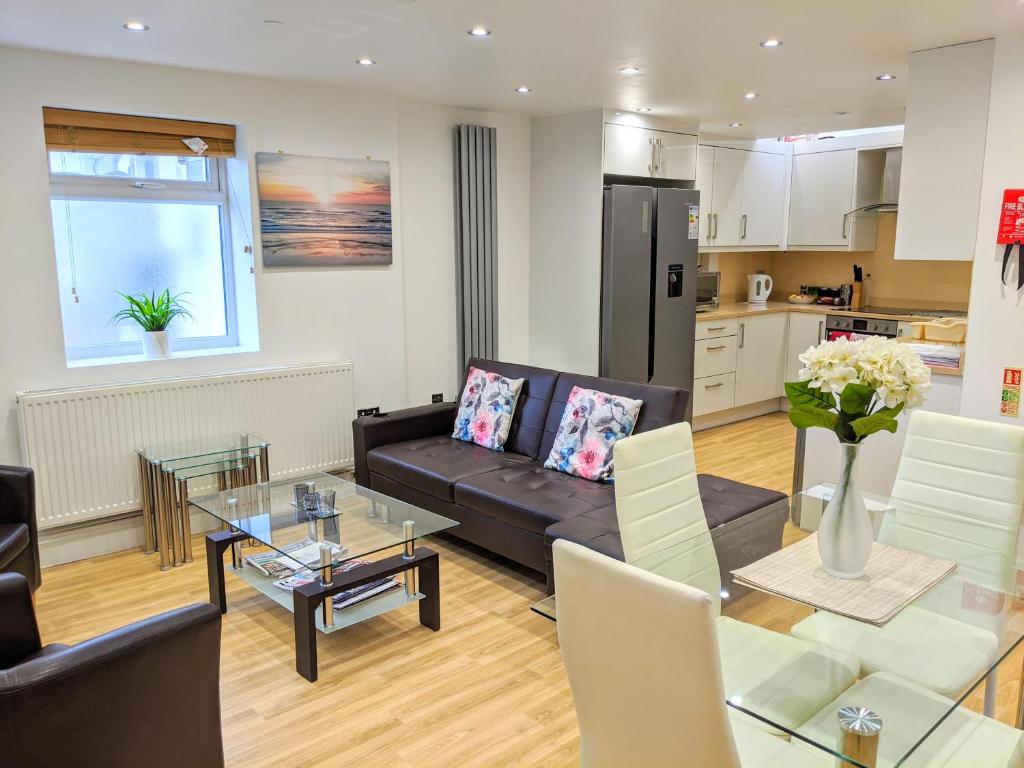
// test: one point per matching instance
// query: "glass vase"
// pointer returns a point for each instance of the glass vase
(846, 532)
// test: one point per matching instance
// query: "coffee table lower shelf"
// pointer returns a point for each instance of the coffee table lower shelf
(305, 601)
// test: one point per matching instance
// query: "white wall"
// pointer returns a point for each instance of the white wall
(995, 335)
(565, 247)
(395, 323)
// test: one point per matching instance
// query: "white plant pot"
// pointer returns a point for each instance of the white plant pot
(156, 345)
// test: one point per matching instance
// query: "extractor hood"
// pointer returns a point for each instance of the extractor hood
(889, 194)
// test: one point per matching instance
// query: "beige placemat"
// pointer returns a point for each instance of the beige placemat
(893, 579)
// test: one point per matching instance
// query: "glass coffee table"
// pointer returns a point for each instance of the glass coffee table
(926, 677)
(313, 537)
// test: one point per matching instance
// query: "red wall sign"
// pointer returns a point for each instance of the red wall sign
(1011, 217)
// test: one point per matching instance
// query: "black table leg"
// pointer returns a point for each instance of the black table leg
(305, 633)
(216, 543)
(430, 586)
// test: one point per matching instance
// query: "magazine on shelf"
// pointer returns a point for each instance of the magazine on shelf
(297, 557)
(306, 576)
(349, 597)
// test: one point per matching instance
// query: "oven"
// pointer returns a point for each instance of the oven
(708, 288)
(844, 326)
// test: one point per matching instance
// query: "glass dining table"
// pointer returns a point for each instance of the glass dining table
(918, 690)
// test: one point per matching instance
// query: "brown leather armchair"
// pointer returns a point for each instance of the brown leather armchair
(19, 544)
(147, 694)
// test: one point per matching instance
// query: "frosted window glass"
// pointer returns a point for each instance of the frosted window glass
(108, 246)
(105, 165)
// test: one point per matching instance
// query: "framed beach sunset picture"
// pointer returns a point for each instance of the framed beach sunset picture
(323, 212)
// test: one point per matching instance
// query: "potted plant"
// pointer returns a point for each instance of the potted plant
(853, 388)
(154, 313)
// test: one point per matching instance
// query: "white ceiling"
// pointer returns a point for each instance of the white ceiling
(698, 58)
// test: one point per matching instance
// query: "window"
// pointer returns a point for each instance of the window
(141, 223)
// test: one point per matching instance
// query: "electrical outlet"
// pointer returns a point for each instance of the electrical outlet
(437, 397)
(368, 411)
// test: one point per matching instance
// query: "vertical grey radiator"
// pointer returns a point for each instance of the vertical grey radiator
(476, 242)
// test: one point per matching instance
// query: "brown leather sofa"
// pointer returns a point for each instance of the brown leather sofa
(147, 694)
(19, 545)
(506, 502)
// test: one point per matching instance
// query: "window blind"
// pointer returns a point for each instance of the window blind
(72, 130)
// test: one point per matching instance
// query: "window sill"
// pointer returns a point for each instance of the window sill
(91, 362)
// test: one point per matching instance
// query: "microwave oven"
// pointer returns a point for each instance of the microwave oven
(708, 286)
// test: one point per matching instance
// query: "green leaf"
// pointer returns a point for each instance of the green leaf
(152, 313)
(883, 418)
(805, 417)
(801, 393)
(856, 398)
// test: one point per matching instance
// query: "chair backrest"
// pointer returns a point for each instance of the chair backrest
(958, 495)
(641, 653)
(658, 506)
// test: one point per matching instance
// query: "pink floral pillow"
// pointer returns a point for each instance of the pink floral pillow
(591, 423)
(486, 408)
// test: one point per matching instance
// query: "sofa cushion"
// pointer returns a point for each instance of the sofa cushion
(532, 407)
(597, 530)
(485, 408)
(662, 405)
(434, 464)
(727, 500)
(531, 497)
(13, 540)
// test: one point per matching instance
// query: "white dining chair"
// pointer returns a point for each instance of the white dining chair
(663, 527)
(958, 495)
(641, 653)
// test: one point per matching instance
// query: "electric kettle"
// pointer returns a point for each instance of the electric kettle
(759, 286)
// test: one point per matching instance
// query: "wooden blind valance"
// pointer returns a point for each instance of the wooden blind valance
(71, 130)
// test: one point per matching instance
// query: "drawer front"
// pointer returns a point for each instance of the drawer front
(712, 329)
(712, 357)
(714, 393)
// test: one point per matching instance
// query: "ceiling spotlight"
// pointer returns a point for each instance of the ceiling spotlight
(630, 70)
(365, 62)
(135, 26)
(771, 42)
(735, 125)
(749, 95)
(479, 32)
(886, 76)
(645, 109)
(523, 89)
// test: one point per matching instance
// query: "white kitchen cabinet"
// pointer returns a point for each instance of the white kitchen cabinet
(714, 393)
(821, 196)
(742, 197)
(943, 152)
(805, 330)
(628, 150)
(713, 357)
(631, 150)
(764, 188)
(711, 329)
(675, 155)
(760, 357)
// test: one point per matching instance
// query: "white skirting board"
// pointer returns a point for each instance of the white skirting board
(732, 415)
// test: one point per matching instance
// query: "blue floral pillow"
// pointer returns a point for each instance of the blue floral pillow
(486, 408)
(591, 423)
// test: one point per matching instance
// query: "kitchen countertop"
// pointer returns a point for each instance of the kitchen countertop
(744, 309)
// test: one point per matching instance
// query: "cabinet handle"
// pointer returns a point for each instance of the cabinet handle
(661, 147)
(709, 236)
(650, 165)
(846, 216)
(714, 386)
(743, 235)
(716, 327)
(743, 334)
(716, 225)
(713, 349)
(821, 330)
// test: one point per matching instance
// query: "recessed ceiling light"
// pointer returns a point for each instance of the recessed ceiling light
(645, 109)
(135, 26)
(771, 42)
(886, 76)
(735, 125)
(630, 70)
(479, 32)
(364, 62)
(749, 95)
(523, 89)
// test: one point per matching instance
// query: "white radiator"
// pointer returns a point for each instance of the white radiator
(81, 441)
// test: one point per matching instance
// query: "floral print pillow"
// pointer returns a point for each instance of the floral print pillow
(486, 408)
(591, 423)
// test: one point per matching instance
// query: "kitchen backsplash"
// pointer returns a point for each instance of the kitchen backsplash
(900, 283)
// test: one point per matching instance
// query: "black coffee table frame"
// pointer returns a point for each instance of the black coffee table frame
(309, 597)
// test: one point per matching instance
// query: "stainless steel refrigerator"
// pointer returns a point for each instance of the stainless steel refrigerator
(648, 286)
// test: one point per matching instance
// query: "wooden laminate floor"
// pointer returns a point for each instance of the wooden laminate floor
(487, 690)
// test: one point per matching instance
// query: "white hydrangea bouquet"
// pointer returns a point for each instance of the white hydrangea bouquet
(857, 388)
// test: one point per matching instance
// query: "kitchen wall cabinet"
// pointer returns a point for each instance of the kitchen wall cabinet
(636, 151)
(805, 330)
(742, 198)
(760, 357)
(944, 151)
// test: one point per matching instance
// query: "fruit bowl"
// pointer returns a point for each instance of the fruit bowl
(800, 298)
